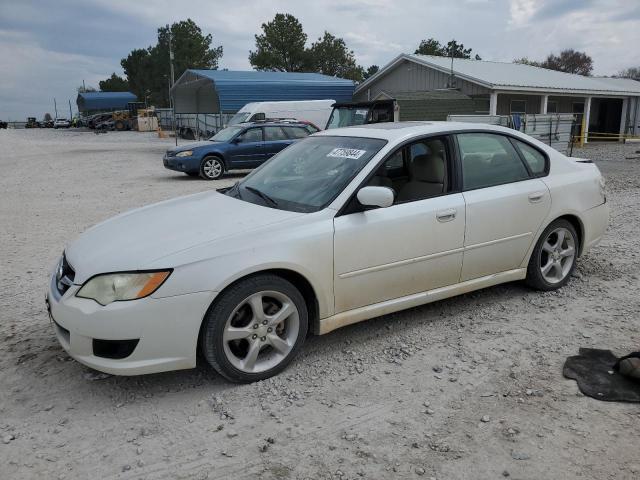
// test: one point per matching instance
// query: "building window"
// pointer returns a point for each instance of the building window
(518, 106)
(552, 107)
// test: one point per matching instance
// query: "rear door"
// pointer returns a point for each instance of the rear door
(275, 140)
(248, 150)
(505, 204)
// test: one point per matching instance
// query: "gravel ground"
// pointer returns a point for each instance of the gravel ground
(467, 388)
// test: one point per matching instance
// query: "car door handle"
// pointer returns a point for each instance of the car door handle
(446, 215)
(535, 197)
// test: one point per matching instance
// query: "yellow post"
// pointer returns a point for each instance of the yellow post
(583, 127)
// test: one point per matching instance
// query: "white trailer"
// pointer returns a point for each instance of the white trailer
(314, 111)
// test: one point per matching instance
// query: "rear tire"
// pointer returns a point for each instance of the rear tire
(254, 329)
(554, 257)
(211, 168)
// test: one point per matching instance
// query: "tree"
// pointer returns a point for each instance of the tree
(47, 117)
(526, 61)
(372, 70)
(83, 89)
(137, 68)
(570, 61)
(281, 46)
(148, 70)
(431, 46)
(632, 72)
(114, 83)
(330, 56)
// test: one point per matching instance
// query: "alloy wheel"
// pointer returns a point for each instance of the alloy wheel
(212, 168)
(261, 331)
(557, 255)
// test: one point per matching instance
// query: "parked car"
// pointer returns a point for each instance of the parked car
(340, 227)
(61, 123)
(242, 146)
(3, 124)
(32, 123)
(314, 111)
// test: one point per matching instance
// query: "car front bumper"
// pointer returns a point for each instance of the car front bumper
(166, 330)
(181, 164)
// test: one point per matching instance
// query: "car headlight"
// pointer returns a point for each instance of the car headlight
(186, 153)
(113, 287)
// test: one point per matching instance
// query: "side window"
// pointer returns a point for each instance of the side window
(257, 117)
(416, 171)
(295, 132)
(488, 160)
(272, 134)
(251, 135)
(535, 159)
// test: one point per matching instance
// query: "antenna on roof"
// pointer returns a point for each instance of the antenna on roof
(452, 80)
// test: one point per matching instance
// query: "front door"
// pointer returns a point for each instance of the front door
(248, 150)
(412, 246)
(505, 204)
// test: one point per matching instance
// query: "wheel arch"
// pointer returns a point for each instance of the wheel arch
(573, 219)
(578, 225)
(217, 155)
(295, 278)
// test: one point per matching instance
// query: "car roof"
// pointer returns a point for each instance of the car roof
(398, 130)
(274, 123)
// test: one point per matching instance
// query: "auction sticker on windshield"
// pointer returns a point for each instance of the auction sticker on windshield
(351, 153)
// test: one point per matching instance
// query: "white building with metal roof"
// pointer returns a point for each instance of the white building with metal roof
(609, 105)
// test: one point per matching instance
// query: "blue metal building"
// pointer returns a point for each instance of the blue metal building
(223, 91)
(103, 101)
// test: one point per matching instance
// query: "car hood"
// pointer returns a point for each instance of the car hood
(135, 239)
(190, 146)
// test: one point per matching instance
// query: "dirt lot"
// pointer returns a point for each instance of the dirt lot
(468, 388)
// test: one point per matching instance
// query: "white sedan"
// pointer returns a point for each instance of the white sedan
(340, 227)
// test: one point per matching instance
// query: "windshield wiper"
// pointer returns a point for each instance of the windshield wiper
(262, 195)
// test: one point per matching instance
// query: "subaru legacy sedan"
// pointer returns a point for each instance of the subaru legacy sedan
(244, 146)
(342, 226)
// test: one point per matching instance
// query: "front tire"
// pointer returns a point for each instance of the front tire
(255, 328)
(554, 257)
(212, 168)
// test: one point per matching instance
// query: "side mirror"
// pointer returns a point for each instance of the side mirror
(376, 196)
(236, 140)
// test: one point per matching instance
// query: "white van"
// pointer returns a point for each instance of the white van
(314, 111)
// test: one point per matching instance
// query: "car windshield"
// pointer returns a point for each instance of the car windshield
(347, 117)
(308, 175)
(239, 118)
(226, 134)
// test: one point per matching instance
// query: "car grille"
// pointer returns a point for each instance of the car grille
(64, 275)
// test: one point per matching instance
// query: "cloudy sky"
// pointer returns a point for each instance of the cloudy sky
(48, 47)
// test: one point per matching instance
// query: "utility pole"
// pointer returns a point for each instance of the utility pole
(84, 89)
(55, 107)
(171, 102)
(70, 112)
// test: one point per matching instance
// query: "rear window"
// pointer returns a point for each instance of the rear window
(272, 134)
(296, 132)
(488, 160)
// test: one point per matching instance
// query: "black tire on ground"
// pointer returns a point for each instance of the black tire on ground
(215, 321)
(535, 279)
(212, 168)
(119, 125)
